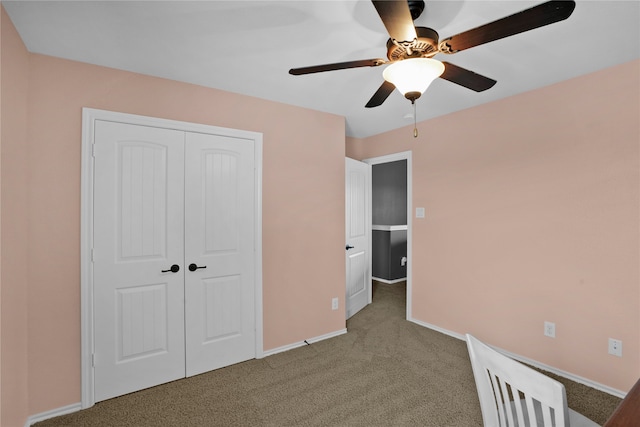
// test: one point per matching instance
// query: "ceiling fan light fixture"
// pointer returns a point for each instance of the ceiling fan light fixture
(413, 76)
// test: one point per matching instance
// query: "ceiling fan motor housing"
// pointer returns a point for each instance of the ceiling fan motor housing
(425, 46)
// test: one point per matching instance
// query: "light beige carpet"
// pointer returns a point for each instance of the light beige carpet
(384, 372)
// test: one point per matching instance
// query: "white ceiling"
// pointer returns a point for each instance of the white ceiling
(248, 47)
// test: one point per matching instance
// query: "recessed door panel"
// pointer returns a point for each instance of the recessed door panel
(142, 200)
(222, 214)
(222, 306)
(356, 205)
(356, 282)
(141, 315)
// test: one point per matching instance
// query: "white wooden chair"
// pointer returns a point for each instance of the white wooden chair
(512, 394)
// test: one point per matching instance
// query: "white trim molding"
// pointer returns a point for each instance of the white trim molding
(42, 416)
(568, 375)
(389, 282)
(389, 227)
(303, 343)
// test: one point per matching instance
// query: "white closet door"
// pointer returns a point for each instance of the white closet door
(138, 234)
(219, 242)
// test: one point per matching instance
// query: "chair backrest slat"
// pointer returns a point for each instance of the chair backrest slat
(512, 394)
(518, 405)
(531, 411)
(497, 392)
(547, 416)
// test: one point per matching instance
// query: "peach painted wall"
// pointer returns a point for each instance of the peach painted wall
(303, 208)
(14, 65)
(533, 215)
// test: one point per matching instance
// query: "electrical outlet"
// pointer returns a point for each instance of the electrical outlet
(550, 329)
(334, 304)
(615, 347)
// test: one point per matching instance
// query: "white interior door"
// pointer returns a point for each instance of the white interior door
(138, 236)
(163, 200)
(358, 242)
(219, 249)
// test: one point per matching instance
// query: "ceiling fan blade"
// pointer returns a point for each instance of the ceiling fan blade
(466, 78)
(396, 18)
(337, 66)
(381, 94)
(529, 19)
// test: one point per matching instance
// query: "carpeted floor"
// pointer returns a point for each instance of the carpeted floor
(384, 372)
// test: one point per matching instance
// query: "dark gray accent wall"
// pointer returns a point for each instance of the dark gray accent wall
(397, 250)
(389, 207)
(380, 257)
(389, 247)
(389, 193)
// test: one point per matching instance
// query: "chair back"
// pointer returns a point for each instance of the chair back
(512, 394)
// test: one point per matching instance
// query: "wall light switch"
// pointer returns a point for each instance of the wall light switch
(419, 212)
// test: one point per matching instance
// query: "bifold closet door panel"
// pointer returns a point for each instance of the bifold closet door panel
(219, 247)
(138, 237)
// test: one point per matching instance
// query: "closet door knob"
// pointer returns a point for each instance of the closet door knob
(174, 269)
(194, 267)
(348, 247)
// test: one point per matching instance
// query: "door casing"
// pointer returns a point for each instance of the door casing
(89, 116)
(405, 155)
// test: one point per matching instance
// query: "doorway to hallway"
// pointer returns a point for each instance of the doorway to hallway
(391, 222)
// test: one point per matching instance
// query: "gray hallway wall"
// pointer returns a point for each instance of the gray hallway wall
(389, 208)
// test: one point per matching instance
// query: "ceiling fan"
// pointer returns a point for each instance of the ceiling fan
(410, 49)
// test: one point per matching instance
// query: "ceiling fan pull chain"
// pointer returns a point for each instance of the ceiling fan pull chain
(415, 125)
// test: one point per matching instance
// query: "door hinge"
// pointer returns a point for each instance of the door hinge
(93, 360)
(92, 254)
(93, 150)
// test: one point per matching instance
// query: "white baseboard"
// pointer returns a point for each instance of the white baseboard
(568, 375)
(389, 282)
(438, 329)
(531, 362)
(303, 343)
(53, 413)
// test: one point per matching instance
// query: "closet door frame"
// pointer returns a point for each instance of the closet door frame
(89, 116)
